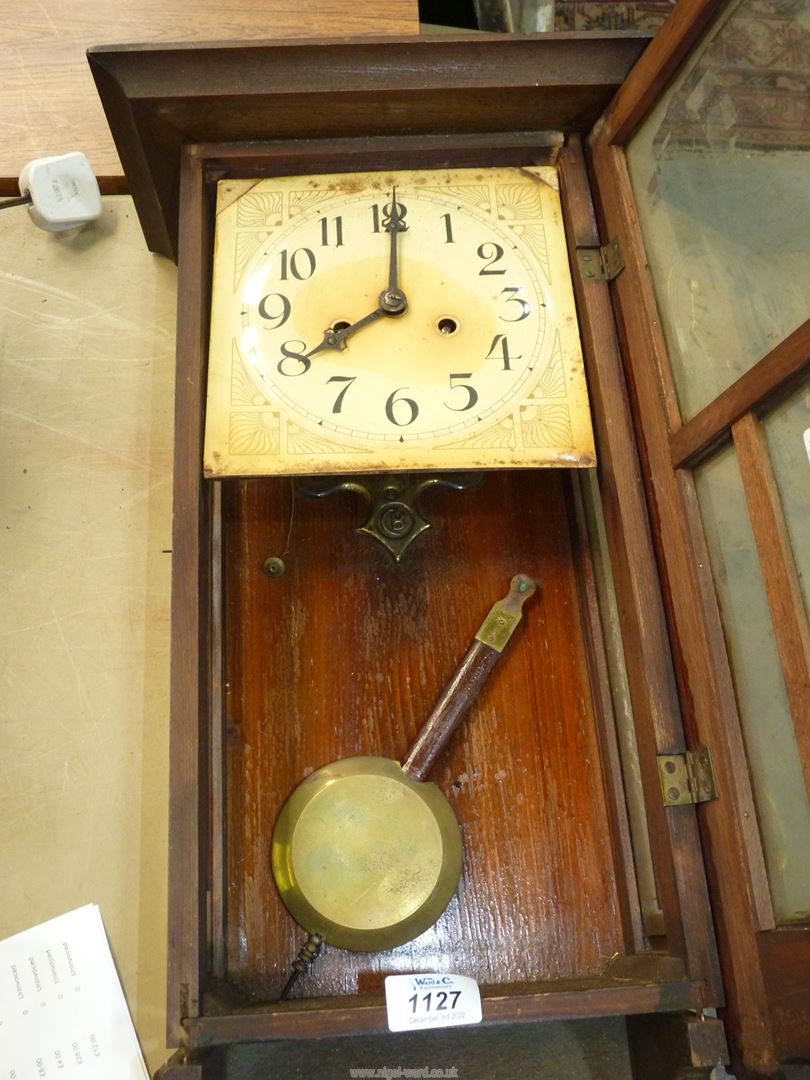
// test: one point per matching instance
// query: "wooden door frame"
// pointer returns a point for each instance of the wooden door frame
(760, 1012)
(680, 883)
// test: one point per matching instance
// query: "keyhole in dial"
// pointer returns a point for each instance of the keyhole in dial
(447, 325)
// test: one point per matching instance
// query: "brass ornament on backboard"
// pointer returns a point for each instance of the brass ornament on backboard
(394, 499)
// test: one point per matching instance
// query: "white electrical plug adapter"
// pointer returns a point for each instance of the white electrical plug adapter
(63, 191)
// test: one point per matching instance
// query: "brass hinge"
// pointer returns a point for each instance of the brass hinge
(601, 263)
(687, 778)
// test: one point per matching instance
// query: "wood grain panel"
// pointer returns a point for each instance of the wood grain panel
(345, 655)
(785, 958)
(353, 1016)
(191, 620)
(680, 879)
(612, 777)
(49, 102)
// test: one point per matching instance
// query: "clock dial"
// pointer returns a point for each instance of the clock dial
(393, 321)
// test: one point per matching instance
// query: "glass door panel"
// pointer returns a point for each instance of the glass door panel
(721, 175)
(779, 790)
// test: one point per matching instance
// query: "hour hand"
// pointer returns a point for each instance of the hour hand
(336, 339)
(392, 300)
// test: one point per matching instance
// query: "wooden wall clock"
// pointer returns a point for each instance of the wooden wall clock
(274, 677)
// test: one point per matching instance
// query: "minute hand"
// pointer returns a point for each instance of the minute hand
(393, 300)
(336, 339)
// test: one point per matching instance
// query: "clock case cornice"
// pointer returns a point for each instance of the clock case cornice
(474, 97)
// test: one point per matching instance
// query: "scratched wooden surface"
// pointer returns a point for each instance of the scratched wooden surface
(48, 101)
(345, 654)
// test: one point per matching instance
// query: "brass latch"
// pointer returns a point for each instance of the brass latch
(687, 778)
(601, 263)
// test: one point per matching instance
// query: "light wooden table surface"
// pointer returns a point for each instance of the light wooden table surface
(48, 101)
(86, 381)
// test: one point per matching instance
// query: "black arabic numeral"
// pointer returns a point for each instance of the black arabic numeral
(291, 351)
(472, 393)
(491, 253)
(277, 318)
(393, 400)
(441, 1001)
(388, 210)
(348, 380)
(525, 309)
(500, 346)
(301, 264)
(338, 230)
(375, 217)
(448, 229)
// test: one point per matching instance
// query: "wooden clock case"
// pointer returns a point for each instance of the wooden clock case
(344, 653)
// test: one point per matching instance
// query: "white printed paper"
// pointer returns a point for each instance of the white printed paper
(417, 1002)
(62, 1009)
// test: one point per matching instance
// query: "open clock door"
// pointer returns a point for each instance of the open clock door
(702, 165)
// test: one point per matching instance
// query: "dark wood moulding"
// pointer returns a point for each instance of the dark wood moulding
(160, 97)
(503, 1004)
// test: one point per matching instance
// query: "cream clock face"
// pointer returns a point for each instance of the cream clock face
(385, 321)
